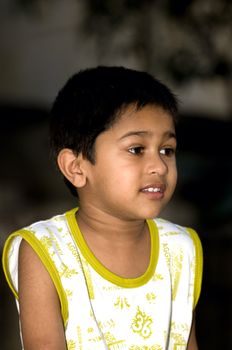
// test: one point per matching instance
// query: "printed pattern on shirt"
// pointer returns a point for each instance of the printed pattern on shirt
(102, 315)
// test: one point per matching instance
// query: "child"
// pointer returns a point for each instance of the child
(109, 274)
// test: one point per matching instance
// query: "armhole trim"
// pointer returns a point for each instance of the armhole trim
(47, 262)
(198, 265)
(5, 254)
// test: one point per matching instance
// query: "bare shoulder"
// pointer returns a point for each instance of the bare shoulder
(40, 314)
(28, 259)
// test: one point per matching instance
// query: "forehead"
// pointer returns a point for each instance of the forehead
(149, 117)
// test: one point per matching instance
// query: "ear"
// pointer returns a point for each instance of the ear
(71, 167)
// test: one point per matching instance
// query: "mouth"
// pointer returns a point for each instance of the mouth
(154, 191)
(154, 188)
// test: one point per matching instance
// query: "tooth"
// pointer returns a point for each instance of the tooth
(151, 189)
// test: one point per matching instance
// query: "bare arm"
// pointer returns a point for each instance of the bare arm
(40, 315)
(192, 344)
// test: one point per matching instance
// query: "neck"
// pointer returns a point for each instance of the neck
(113, 229)
(116, 242)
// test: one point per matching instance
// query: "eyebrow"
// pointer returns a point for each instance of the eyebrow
(168, 134)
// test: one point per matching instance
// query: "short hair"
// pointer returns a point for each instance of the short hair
(92, 100)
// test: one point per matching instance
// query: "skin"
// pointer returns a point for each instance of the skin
(40, 316)
(192, 344)
(113, 208)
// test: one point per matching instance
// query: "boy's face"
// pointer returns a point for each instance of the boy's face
(134, 175)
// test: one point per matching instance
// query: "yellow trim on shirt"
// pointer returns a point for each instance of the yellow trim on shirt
(47, 262)
(102, 270)
(198, 265)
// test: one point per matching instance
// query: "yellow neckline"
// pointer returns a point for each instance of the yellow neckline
(101, 269)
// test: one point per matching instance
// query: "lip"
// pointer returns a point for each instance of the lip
(154, 191)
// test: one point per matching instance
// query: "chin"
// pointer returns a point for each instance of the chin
(151, 214)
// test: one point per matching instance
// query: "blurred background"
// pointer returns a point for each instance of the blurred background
(188, 45)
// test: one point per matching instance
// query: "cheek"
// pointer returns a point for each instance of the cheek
(122, 180)
(175, 180)
(173, 175)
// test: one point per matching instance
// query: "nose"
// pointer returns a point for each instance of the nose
(157, 165)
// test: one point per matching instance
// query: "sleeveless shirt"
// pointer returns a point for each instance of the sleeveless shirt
(101, 310)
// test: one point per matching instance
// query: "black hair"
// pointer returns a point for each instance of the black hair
(92, 99)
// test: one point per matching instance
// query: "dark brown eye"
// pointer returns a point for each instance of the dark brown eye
(167, 151)
(136, 150)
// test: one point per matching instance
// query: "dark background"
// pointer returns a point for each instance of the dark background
(186, 44)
